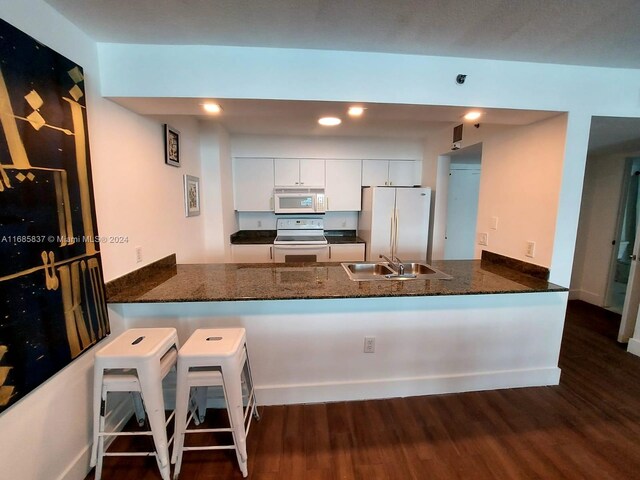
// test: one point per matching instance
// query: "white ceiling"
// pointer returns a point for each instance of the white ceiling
(614, 135)
(288, 117)
(580, 32)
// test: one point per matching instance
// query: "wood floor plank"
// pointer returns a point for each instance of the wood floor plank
(585, 428)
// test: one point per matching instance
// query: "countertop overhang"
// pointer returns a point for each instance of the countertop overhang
(269, 281)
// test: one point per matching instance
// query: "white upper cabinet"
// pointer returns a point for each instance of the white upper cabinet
(375, 173)
(253, 184)
(395, 173)
(294, 172)
(343, 188)
(403, 173)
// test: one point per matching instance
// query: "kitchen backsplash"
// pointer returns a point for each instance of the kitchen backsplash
(267, 220)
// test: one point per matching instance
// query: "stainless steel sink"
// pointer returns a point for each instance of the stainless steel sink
(357, 271)
(369, 271)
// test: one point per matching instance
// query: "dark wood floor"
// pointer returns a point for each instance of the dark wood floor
(587, 427)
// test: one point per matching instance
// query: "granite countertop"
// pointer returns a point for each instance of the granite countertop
(265, 281)
(266, 237)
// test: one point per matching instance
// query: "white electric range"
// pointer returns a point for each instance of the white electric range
(300, 240)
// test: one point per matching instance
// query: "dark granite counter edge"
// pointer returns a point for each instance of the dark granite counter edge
(154, 273)
(338, 297)
(530, 269)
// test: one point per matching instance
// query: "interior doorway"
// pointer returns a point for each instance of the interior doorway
(627, 226)
(462, 203)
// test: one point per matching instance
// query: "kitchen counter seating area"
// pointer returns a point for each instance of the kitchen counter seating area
(491, 326)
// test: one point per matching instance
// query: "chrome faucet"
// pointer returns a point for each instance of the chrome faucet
(397, 265)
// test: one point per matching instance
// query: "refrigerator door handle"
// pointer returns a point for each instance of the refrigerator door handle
(391, 234)
(395, 246)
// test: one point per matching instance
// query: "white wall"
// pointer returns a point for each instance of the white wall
(597, 228)
(519, 184)
(138, 195)
(325, 147)
(267, 221)
(269, 73)
(217, 191)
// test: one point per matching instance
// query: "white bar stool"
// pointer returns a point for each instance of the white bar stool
(136, 361)
(214, 357)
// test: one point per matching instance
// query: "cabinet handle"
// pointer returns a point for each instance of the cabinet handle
(390, 183)
(329, 252)
(271, 202)
(301, 183)
(326, 203)
(271, 253)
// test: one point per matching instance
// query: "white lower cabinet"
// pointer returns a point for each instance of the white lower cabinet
(346, 252)
(252, 253)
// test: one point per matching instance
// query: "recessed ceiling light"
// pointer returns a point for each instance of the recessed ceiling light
(212, 107)
(356, 111)
(329, 121)
(473, 115)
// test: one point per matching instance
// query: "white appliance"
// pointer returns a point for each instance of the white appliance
(300, 240)
(394, 221)
(299, 200)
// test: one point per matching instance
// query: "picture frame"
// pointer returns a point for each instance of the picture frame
(171, 146)
(191, 196)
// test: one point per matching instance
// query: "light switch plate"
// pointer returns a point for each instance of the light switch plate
(494, 223)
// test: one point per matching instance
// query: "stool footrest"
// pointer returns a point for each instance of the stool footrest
(208, 430)
(129, 454)
(209, 447)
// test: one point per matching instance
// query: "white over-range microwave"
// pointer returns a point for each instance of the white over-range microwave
(299, 200)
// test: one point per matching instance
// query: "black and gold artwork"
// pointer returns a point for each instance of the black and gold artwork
(51, 285)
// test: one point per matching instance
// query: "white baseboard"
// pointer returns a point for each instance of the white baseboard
(634, 347)
(404, 387)
(115, 421)
(589, 297)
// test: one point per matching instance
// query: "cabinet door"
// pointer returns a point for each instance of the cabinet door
(312, 173)
(402, 173)
(287, 172)
(349, 252)
(252, 253)
(253, 184)
(343, 189)
(375, 173)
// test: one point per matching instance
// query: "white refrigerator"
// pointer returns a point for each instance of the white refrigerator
(395, 221)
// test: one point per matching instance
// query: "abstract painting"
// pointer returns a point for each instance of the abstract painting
(51, 284)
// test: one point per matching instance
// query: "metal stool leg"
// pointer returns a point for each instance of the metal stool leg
(233, 393)
(182, 414)
(152, 396)
(138, 408)
(97, 413)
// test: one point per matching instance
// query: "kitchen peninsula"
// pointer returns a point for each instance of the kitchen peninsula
(489, 327)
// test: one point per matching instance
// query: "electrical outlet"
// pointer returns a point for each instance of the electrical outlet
(138, 254)
(369, 344)
(344, 224)
(259, 223)
(483, 239)
(531, 249)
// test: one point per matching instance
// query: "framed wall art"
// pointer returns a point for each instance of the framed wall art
(51, 281)
(171, 146)
(191, 196)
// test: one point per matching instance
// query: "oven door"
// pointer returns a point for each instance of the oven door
(300, 253)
